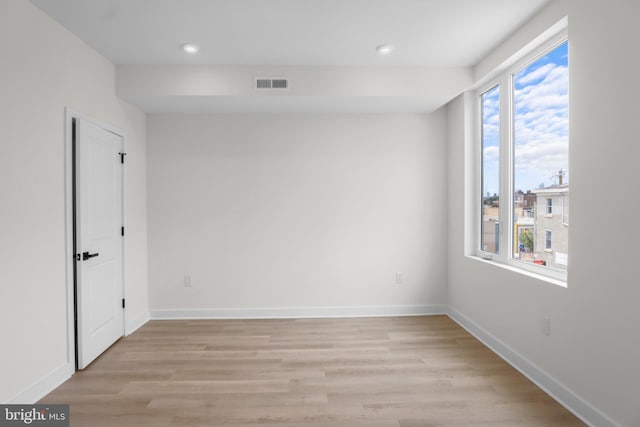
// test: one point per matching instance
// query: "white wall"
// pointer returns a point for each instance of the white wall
(210, 89)
(43, 69)
(594, 347)
(282, 211)
(269, 211)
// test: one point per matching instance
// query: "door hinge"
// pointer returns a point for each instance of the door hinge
(123, 303)
(122, 157)
(122, 231)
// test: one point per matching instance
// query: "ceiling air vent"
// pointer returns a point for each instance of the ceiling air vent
(271, 83)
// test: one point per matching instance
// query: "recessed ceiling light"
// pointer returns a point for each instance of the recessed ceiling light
(190, 48)
(385, 49)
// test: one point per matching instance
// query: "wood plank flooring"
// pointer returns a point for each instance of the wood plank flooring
(373, 372)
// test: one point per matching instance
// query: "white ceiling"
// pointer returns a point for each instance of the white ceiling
(293, 32)
(426, 33)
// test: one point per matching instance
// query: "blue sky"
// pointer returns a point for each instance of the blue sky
(541, 124)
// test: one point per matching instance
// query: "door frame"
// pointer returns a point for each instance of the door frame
(69, 199)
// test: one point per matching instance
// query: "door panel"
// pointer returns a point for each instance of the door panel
(98, 221)
(98, 281)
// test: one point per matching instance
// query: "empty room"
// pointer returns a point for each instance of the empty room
(285, 213)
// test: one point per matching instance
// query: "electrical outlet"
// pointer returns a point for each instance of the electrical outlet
(187, 281)
(399, 279)
(545, 326)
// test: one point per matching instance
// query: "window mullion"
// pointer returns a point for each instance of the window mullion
(505, 168)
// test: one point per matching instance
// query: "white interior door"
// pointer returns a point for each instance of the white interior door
(99, 243)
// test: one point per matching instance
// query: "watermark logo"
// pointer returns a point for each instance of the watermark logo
(34, 415)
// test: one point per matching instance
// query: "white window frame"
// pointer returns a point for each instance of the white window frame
(565, 216)
(548, 212)
(504, 78)
(549, 241)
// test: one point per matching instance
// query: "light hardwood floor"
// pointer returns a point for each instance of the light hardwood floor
(374, 372)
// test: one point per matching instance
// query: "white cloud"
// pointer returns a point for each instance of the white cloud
(491, 102)
(534, 75)
(491, 116)
(552, 91)
(490, 134)
(541, 125)
(493, 119)
(490, 153)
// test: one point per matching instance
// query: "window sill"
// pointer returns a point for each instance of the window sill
(533, 275)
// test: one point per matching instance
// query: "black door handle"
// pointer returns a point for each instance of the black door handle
(87, 255)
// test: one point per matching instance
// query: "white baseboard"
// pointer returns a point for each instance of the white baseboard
(136, 322)
(299, 312)
(54, 379)
(563, 395)
(44, 386)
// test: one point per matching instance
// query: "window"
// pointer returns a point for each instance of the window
(565, 210)
(547, 240)
(490, 224)
(524, 162)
